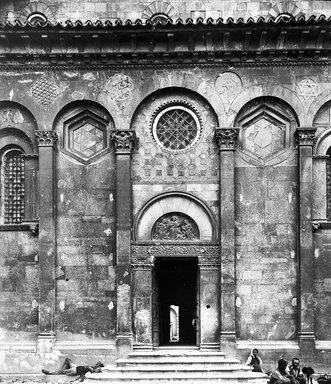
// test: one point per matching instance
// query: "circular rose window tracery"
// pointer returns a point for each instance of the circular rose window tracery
(176, 128)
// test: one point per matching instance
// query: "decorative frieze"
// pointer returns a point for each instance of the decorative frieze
(123, 140)
(226, 138)
(305, 136)
(173, 250)
(46, 138)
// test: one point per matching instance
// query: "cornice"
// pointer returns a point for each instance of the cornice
(261, 42)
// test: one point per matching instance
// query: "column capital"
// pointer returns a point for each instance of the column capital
(226, 138)
(305, 136)
(46, 138)
(123, 140)
(142, 262)
(209, 262)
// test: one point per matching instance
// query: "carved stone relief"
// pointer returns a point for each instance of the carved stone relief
(119, 87)
(12, 117)
(307, 89)
(123, 140)
(46, 138)
(157, 8)
(175, 227)
(228, 85)
(45, 91)
(226, 138)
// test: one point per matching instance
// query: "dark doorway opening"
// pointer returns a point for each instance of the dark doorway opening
(177, 300)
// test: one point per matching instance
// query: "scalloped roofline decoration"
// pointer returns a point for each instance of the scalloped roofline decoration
(295, 21)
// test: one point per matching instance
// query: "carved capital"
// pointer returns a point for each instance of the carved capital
(209, 262)
(123, 140)
(142, 262)
(305, 136)
(46, 138)
(226, 138)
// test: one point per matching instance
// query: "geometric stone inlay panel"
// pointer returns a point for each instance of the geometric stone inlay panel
(264, 137)
(175, 226)
(307, 89)
(88, 140)
(45, 91)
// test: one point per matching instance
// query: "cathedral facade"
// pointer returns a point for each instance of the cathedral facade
(165, 178)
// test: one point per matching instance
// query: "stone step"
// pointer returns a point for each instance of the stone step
(30, 378)
(176, 368)
(176, 352)
(205, 380)
(182, 377)
(175, 361)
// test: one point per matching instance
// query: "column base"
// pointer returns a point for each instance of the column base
(124, 345)
(143, 347)
(210, 346)
(46, 342)
(228, 342)
(307, 342)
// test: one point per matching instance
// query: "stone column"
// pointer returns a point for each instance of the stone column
(47, 238)
(123, 142)
(226, 139)
(142, 268)
(209, 288)
(305, 137)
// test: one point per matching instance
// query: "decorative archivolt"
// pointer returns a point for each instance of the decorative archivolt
(175, 216)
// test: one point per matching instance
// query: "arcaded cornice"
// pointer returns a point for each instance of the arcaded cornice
(184, 43)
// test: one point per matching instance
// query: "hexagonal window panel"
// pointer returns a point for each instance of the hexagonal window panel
(88, 140)
(264, 135)
(85, 136)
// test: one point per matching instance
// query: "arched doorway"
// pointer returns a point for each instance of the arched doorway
(175, 263)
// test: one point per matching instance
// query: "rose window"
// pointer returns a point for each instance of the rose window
(176, 128)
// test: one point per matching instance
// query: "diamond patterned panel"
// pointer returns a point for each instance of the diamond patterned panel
(88, 140)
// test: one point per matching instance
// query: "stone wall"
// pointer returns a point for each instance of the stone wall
(266, 182)
(86, 289)
(123, 10)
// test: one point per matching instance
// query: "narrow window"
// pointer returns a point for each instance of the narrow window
(13, 186)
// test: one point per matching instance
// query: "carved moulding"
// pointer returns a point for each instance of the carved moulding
(123, 140)
(173, 250)
(46, 138)
(305, 136)
(226, 138)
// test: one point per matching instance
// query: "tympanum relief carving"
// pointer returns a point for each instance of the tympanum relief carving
(175, 226)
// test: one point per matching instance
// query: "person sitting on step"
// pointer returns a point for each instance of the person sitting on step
(254, 360)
